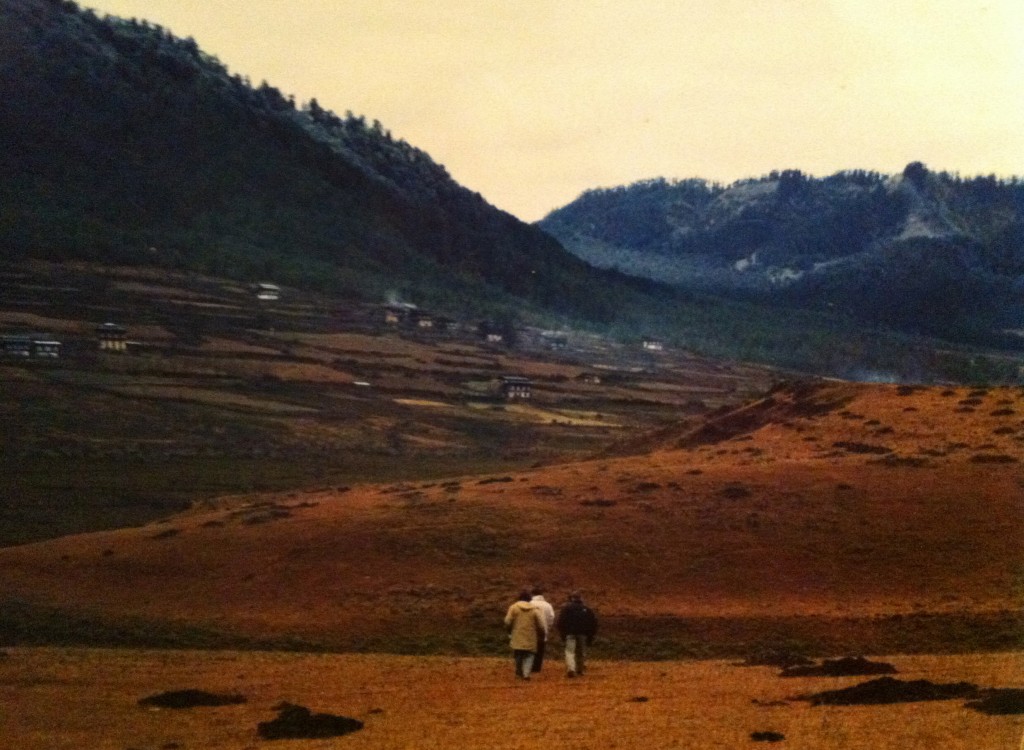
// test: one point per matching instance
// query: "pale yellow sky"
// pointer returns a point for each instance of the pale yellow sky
(530, 102)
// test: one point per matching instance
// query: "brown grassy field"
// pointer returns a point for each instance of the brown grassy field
(339, 487)
(56, 699)
(837, 517)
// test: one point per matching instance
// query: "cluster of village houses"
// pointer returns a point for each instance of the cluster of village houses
(113, 337)
(109, 337)
(399, 315)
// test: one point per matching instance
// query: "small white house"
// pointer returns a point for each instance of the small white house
(515, 387)
(37, 346)
(423, 320)
(112, 337)
(46, 348)
(268, 292)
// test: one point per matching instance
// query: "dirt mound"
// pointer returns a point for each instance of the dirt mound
(999, 702)
(190, 698)
(299, 723)
(849, 666)
(890, 690)
(767, 736)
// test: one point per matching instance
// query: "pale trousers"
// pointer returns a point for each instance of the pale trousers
(524, 663)
(575, 651)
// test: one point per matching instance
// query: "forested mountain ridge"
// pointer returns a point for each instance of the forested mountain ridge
(126, 144)
(921, 251)
(121, 144)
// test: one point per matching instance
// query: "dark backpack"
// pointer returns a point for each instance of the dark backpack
(577, 618)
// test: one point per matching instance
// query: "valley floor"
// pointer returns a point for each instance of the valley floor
(57, 698)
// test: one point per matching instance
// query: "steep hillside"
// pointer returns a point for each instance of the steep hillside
(922, 252)
(833, 515)
(126, 144)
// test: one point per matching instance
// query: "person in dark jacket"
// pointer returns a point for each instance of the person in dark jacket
(577, 624)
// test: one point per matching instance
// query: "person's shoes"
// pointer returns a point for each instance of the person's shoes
(570, 673)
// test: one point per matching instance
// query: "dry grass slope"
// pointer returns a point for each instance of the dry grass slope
(836, 517)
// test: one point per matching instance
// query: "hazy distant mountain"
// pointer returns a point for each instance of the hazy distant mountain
(123, 143)
(923, 252)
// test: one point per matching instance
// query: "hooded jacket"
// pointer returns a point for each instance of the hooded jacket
(524, 622)
(547, 612)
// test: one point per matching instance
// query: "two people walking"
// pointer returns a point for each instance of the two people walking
(530, 621)
(526, 628)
